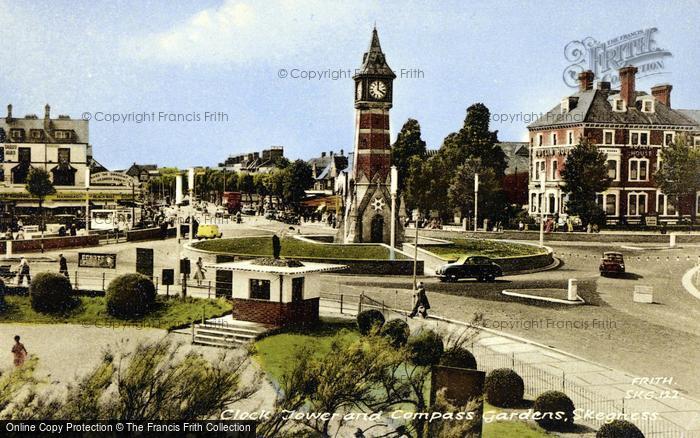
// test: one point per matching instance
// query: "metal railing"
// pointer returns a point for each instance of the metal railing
(537, 379)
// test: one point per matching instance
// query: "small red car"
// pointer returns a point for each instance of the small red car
(612, 263)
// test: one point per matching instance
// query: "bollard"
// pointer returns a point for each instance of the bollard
(8, 247)
(572, 292)
(672, 240)
(643, 294)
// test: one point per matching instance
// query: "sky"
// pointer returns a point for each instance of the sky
(217, 66)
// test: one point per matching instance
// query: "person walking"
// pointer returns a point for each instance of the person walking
(199, 271)
(63, 265)
(422, 305)
(23, 271)
(19, 352)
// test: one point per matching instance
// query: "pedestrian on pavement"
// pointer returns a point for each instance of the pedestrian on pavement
(63, 266)
(23, 271)
(199, 271)
(20, 234)
(422, 305)
(19, 352)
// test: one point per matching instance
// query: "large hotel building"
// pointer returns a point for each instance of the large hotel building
(631, 127)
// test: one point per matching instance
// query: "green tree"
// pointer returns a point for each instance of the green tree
(297, 179)
(679, 173)
(246, 184)
(39, 185)
(408, 144)
(461, 191)
(585, 175)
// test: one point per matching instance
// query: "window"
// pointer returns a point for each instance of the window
(259, 289)
(555, 166)
(608, 137)
(37, 134)
(297, 289)
(618, 104)
(570, 137)
(664, 205)
(24, 155)
(638, 169)
(64, 155)
(17, 134)
(539, 167)
(554, 139)
(539, 139)
(611, 204)
(552, 203)
(639, 138)
(647, 106)
(637, 204)
(612, 169)
(669, 138)
(63, 135)
(533, 203)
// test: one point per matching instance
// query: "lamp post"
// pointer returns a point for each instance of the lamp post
(190, 190)
(178, 231)
(394, 189)
(87, 199)
(543, 179)
(476, 201)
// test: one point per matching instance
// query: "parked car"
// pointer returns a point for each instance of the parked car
(208, 231)
(250, 211)
(271, 215)
(612, 263)
(479, 267)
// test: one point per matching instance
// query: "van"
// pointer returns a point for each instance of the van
(208, 231)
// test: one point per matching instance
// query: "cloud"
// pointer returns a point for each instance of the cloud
(238, 32)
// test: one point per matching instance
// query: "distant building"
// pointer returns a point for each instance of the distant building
(631, 127)
(254, 162)
(62, 147)
(142, 172)
(325, 170)
(515, 182)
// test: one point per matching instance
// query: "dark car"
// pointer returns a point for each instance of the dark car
(479, 267)
(612, 263)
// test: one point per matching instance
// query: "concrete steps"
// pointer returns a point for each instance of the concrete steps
(226, 332)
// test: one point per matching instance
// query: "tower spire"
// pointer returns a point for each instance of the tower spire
(374, 61)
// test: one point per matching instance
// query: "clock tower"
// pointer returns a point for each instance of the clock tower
(368, 200)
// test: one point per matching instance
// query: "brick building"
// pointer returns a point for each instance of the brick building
(631, 127)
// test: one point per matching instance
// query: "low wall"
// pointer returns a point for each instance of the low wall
(354, 266)
(148, 234)
(50, 243)
(275, 313)
(564, 237)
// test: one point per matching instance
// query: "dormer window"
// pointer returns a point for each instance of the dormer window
(647, 105)
(62, 135)
(568, 103)
(618, 104)
(17, 134)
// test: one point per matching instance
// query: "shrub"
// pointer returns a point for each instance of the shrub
(556, 410)
(397, 331)
(130, 295)
(619, 429)
(51, 292)
(369, 320)
(426, 348)
(504, 388)
(458, 357)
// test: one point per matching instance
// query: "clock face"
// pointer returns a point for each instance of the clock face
(377, 89)
(359, 90)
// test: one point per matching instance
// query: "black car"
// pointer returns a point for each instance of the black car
(478, 267)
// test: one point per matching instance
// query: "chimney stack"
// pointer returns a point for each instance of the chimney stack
(604, 85)
(341, 152)
(585, 80)
(9, 112)
(627, 91)
(47, 116)
(662, 93)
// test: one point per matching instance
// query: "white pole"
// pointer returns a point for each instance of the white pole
(87, 199)
(543, 179)
(394, 189)
(476, 202)
(190, 188)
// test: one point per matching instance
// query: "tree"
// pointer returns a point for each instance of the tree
(585, 175)
(461, 191)
(679, 173)
(246, 184)
(408, 144)
(39, 185)
(297, 179)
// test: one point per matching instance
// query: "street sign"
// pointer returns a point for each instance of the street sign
(168, 277)
(97, 260)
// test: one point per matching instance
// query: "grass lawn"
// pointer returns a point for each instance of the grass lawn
(275, 354)
(262, 246)
(170, 313)
(488, 248)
